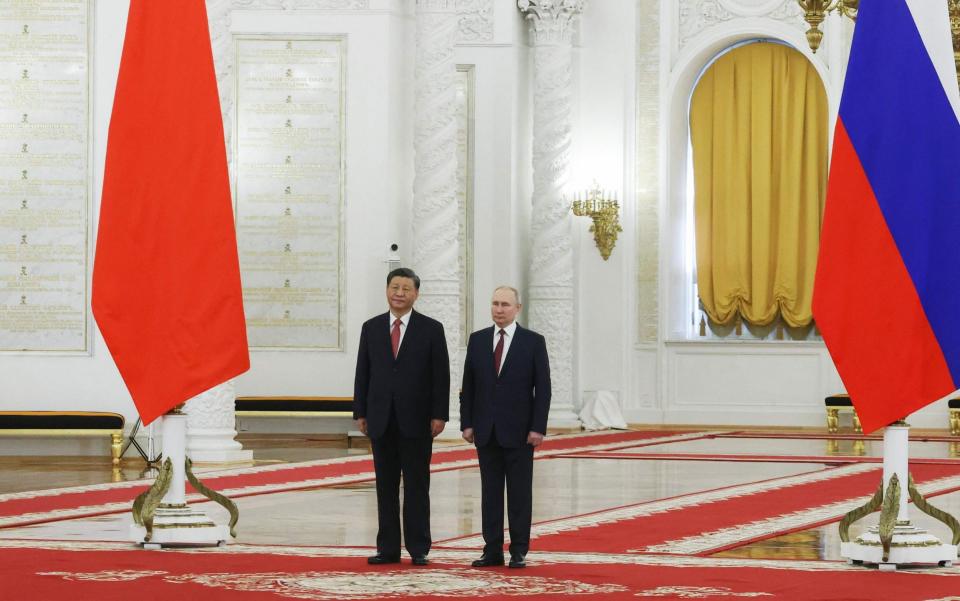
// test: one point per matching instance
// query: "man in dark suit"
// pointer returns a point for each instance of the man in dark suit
(401, 400)
(504, 406)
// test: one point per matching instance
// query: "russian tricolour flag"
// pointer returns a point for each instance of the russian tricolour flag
(887, 293)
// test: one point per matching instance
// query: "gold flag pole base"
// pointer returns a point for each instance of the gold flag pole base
(894, 542)
(161, 516)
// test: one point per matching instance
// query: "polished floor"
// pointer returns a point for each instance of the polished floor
(564, 487)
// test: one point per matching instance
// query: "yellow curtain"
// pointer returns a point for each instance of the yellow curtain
(758, 127)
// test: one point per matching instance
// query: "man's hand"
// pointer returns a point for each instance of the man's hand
(468, 435)
(362, 424)
(436, 427)
(534, 439)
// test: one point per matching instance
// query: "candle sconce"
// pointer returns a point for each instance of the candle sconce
(605, 212)
(816, 11)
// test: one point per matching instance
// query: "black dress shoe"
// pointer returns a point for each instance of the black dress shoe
(487, 561)
(420, 560)
(381, 558)
(517, 561)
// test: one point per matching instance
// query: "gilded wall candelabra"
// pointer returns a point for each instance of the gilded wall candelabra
(815, 11)
(605, 212)
(953, 6)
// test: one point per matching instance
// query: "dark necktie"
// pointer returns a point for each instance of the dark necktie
(498, 353)
(395, 337)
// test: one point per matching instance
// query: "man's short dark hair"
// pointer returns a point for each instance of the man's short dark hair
(404, 272)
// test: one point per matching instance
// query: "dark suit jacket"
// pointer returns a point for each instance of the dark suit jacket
(518, 400)
(417, 382)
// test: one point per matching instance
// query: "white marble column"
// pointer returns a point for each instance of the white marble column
(211, 427)
(550, 296)
(436, 245)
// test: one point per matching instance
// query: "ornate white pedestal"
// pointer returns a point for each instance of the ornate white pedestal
(175, 526)
(210, 427)
(170, 521)
(908, 545)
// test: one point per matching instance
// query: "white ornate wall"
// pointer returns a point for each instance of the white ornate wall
(634, 63)
(379, 189)
(781, 383)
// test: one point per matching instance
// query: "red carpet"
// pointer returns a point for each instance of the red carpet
(710, 521)
(41, 506)
(255, 573)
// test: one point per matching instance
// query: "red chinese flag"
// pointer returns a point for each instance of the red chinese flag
(166, 278)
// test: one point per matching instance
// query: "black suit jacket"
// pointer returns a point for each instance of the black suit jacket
(518, 400)
(417, 382)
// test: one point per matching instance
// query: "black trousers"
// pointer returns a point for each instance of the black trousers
(393, 455)
(513, 467)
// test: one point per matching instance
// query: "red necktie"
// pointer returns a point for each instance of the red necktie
(395, 337)
(498, 353)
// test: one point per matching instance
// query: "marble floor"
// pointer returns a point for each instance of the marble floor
(564, 486)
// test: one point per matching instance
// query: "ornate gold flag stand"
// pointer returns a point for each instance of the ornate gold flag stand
(161, 515)
(895, 542)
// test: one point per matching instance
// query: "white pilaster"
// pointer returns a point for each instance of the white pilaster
(221, 44)
(436, 213)
(211, 427)
(550, 297)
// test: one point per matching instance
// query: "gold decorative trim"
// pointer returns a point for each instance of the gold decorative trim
(215, 497)
(923, 505)
(147, 502)
(116, 447)
(57, 432)
(166, 526)
(58, 413)
(242, 413)
(888, 515)
(930, 543)
(853, 516)
(284, 399)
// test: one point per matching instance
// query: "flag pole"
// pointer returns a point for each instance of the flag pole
(161, 515)
(895, 542)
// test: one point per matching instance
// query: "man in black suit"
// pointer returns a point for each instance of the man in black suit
(401, 400)
(504, 406)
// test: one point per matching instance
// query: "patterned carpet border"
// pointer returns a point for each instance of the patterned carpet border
(74, 502)
(826, 459)
(454, 556)
(713, 541)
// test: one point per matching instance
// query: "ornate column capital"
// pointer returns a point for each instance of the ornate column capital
(551, 21)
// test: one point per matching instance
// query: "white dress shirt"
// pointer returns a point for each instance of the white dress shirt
(509, 331)
(404, 320)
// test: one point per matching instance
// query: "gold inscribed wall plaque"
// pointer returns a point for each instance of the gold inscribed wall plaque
(44, 174)
(289, 190)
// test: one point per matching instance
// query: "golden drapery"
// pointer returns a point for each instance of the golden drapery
(758, 127)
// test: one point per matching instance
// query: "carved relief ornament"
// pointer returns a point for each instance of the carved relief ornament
(551, 21)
